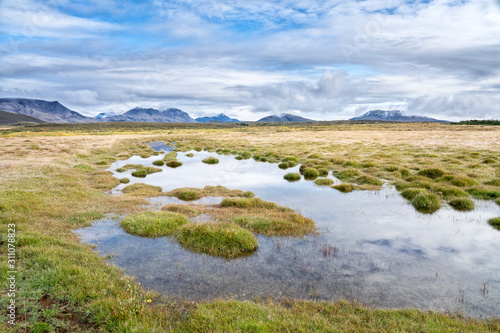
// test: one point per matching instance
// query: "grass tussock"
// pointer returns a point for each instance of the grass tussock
(124, 180)
(369, 180)
(495, 222)
(462, 204)
(211, 160)
(345, 187)
(173, 164)
(191, 193)
(412, 193)
(158, 163)
(292, 176)
(142, 190)
(311, 173)
(187, 210)
(426, 203)
(433, 173)
(153, 224)
(324, 182)
(483, 193)
(217, 239)
(247, 203)
(140, 173)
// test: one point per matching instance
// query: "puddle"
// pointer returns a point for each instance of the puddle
(372, 247)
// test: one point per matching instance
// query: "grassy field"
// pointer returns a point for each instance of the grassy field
(52, 181)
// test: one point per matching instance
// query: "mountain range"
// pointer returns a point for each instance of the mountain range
(55, 112)
(220, 118)
(397, 116)
(9, 118)
(284, 118)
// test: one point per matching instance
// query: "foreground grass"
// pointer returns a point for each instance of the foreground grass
(52, 182)
(153, 224)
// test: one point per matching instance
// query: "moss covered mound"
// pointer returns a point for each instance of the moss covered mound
(142, 190)
(345, 187)
(188, 210)
(427, 203)
(462, 204)
(217, 239)
(324, 182)
(211, 160)
(292, 176)
(495, 222)
(153, 224)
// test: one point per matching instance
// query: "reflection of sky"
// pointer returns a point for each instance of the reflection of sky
(389, 253)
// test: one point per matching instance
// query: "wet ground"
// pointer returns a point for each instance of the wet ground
(372, 246)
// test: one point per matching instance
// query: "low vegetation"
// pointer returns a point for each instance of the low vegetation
(190, 193)
(142, 190)
(187, 210)
(66, 286)
(462, 204)
(345, 187)
(324, 182)
(220, 239)
(153, 224)
(292, 176)
(211, 160)
(426, 203)
(495, 222)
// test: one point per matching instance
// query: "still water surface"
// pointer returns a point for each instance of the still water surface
(372, 246)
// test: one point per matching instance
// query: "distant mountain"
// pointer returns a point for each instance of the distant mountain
(284, 118)
(14, 118)
(103, 115)
(220, 118)
(397, 115)
(153, 115)
(52, 112)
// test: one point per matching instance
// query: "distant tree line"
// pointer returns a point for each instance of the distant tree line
(478, 122)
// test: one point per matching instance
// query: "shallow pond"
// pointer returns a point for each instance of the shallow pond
(372, 247)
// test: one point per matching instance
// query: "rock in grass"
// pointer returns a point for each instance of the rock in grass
(173, 164)
(211, 160)
(427, 203)
(344, 188)
(292, 176)
(462, 204)
(140, 189)
(217, 239)
(153, 224)
(495, 222)
(324, 182)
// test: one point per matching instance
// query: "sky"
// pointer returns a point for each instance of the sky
(324, 59)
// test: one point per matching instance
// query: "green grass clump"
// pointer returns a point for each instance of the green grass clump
(187, 194)
(351, 164)
(190, 155)
(324, 182)
(247, 203)
(246, 155)
(484, 194)
(187, 210)
(426, 203)
(290, 159)
(433, 173)
(462, 181)
(405, 173)
(495, 222)
(498, 201)
(140, 173)
(286, 224)
(142, 190)
(412, 193)
(283, 165)
(158, 163)
(462, 204)
(239, 158)
(153, 224)
(173, 164)
(211, 160)
(345, 187)
(311, 173)
(124, 180)
(323, 172)
(170, 157)
(391, 168)
(448, 192)
(217, 239)
(85, 167)
(489, 161)
(369, 180)
(292, 176)
(346, 174)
